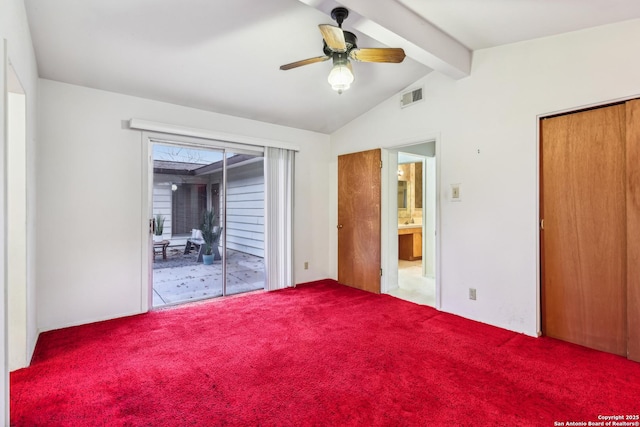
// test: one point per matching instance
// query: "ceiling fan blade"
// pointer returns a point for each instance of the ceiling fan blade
(304, 62)
(382, 54)
(334, 37)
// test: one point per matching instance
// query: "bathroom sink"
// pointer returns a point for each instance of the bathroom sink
(401, 226)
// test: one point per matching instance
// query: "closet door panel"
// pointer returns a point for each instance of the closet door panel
(633, 228)
(584, 239)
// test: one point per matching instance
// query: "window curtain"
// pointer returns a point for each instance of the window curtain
(279, 169)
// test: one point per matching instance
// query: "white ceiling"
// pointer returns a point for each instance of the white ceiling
(479, 24)
(224, 56)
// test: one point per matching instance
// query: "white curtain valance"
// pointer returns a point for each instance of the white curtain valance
(165, 128)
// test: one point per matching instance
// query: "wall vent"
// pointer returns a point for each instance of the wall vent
(411, 97)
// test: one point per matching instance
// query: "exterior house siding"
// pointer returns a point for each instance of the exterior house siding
(162, 205)
(245, 208)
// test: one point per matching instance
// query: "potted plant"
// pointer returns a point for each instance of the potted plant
(211, 236)
(158, 227)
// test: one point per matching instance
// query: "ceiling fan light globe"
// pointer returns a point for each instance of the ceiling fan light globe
(340, 77)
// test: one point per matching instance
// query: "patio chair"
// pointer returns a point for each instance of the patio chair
(195, 242)
(198, 242)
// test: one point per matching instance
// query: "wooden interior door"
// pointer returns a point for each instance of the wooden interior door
(359, 185)
(584, 237)
(633, 229)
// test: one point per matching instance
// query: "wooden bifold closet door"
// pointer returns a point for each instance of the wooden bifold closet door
(590, 239)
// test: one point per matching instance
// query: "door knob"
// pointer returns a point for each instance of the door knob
(339, 226)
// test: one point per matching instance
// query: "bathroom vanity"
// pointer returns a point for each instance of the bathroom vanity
(410, 242)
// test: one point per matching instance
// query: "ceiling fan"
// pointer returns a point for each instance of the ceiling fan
(341, 46)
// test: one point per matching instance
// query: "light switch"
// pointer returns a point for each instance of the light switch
(455, 192)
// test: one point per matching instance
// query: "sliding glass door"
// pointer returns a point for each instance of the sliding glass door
(208, 216)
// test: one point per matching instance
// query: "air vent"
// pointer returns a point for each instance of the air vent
(411, 97)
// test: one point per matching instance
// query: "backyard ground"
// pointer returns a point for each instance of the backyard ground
(180, 278)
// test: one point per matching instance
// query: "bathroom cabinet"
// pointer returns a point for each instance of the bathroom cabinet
(410, 243)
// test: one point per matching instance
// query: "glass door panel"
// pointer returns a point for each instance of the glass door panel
(244, 222)
(185, 180)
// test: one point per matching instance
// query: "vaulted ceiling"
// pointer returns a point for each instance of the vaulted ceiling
(224, 55)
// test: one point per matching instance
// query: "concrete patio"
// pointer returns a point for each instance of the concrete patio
(180, 279)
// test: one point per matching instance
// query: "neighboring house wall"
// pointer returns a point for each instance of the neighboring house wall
(245, 208)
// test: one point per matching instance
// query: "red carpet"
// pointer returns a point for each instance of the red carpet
(321, 354)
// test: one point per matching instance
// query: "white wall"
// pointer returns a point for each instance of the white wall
(487, 128)
(17, 230)
(430, 216)
(14, 30)
(4, 371)
(89, 168)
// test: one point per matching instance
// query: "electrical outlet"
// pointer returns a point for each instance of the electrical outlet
(306, 265)
(472, 294)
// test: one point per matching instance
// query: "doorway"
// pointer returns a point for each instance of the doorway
(416, 276)
(412, 207)
(207, 222)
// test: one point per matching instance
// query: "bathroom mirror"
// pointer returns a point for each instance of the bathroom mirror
(410, 192)
(403, 194)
